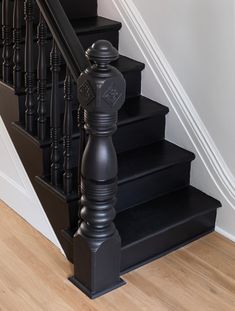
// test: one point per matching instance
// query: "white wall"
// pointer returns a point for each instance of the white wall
(198, 39)
(190, 69)
(16, 189)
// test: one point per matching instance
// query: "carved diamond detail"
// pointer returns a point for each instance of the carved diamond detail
(86, 92)
(112, 95)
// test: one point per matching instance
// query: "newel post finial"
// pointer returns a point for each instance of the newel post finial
(97, 244)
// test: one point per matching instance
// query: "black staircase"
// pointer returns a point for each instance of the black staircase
(116, 192)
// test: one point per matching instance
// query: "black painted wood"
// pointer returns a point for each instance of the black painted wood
(42, 79)
(30, 105)
(159, 168)
(17, 60)
(82, 145)
(55, 123)
(67, 133)
(97, 245)
(60, 27)
(155, 228)
(152, 229)
(7, 42)
(75, 9)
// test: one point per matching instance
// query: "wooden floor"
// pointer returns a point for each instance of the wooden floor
(33, 276)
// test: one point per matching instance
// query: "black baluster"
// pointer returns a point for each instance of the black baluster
(68, 126)
(42, 78)
(55, 116)
(17, 69)
(30, 113)
(97, 245)
(82, 145)
(7, 44)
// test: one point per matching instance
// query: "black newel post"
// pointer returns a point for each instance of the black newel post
(97, 244)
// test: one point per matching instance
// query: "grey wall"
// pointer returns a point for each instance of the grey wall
(198, 39)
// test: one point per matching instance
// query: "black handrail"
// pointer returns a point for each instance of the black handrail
(65, 36)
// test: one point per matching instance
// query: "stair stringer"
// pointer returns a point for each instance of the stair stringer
(16, 190)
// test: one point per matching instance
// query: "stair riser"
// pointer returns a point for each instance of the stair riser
(138, 134)
(162, 243)
(133, 83)
(77, 9)
(152, 186)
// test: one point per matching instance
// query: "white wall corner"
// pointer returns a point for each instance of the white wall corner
(210, 173)
(17, 191)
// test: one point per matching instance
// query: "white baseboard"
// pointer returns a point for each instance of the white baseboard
(225, 233)
(16, 197)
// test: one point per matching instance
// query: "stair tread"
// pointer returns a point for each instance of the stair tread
(163, 213)
(149, 159)
(139, 108)
(125, 64)
(94, 24)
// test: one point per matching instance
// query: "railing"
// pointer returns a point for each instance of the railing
(101, 93)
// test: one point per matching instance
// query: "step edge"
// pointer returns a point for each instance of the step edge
(155, 170)
(178, 223)
(115, 25)
(158, 196)
(168, 251)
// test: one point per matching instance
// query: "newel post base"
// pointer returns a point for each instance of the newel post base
(98, 268)
(97, 244)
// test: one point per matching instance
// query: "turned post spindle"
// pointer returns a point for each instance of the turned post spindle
(42, 77)
(17, 68)
(82, 145)
(30, 112)
(67, 133)
(55, 116)
(7, 44)
(97, 245)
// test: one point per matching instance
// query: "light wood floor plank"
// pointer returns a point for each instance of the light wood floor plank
(33, 276)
